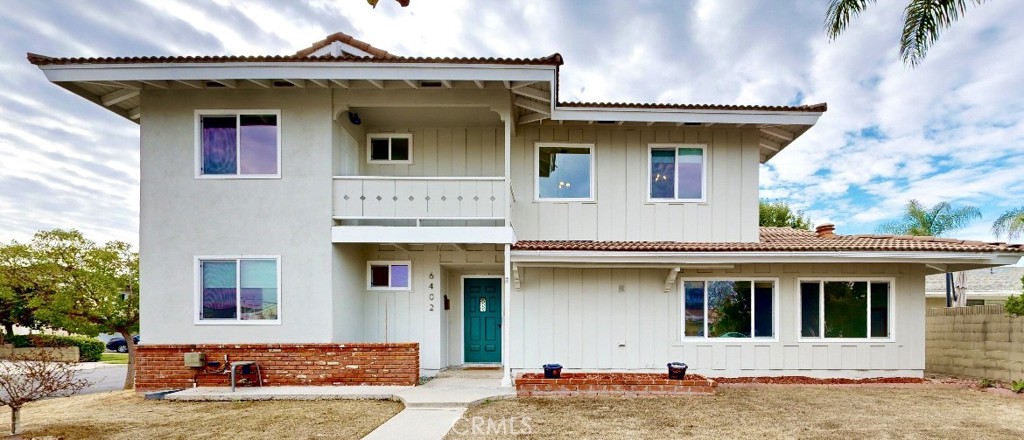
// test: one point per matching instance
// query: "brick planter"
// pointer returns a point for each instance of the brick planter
(163, 366)
(612, 385)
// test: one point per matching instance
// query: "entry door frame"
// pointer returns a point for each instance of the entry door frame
(462, 317)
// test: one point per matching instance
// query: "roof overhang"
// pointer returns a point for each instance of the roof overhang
(117, 87)
(935, 262)
(301, 70)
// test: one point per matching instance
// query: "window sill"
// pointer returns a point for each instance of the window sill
(845, 341)
(724, 341)
(581, 201)
(241, 323)
(676, 202)
(238, 177)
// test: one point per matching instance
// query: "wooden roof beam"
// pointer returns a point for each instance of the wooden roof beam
(118, 96)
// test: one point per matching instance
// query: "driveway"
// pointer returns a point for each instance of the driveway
(103, 377)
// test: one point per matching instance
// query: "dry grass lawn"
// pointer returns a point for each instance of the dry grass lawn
(768, 412)
(125, 415)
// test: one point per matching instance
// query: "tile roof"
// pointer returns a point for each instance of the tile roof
(782, 240)
(43, 60)
(815, 108)
(342, 37)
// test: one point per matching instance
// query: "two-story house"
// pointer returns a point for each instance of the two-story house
(346, 215)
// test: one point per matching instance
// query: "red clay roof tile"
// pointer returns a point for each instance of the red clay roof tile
(816, 108)
(781, 240)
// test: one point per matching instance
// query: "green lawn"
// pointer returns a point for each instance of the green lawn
(114, 358)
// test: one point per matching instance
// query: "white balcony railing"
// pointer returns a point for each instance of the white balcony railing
(419, 198)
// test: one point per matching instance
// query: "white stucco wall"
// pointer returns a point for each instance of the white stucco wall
(182, 216)
(578, 318)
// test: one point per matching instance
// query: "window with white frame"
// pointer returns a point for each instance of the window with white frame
(677, 172)
(392, 148)
(238, 143)
(855, 309)
(388, 275)
(565, 171)
(741, 308)
(245, 289)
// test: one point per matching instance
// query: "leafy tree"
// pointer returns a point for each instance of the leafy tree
(16, 288)
(923, 21)
(1010, 223)
(86, 288)
(934, 221)
(779, 214)
(28, 378)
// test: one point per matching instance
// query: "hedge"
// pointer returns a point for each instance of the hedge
(89, 349)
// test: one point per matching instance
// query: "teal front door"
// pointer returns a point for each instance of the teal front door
(482, 319)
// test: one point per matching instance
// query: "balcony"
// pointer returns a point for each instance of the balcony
(385, 209)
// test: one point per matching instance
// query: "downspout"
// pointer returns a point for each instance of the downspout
(949, 289)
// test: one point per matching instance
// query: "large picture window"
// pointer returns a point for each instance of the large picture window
(238, 143)
(565, 172)
(237, 290)
(729, 308)
(845, 309)
(677, 173)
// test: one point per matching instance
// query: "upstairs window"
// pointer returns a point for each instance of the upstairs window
(677, 173)
(565, 172)
(238, 290)
(391, 148)
(243, 144)
(860, 309)
(389, 275)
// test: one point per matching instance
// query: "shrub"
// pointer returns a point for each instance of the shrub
(1014, 305)
(89, 349)
(1017, 386)
(986, 383)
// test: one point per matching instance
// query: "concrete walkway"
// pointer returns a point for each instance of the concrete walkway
(431, 410)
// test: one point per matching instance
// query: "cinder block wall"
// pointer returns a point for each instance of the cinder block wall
(163, 366)
(978, 341)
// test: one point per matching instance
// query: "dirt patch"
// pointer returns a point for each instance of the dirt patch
(126, 415)
(804, 380)
(768, 412)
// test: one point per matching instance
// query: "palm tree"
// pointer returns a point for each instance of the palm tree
(923, 20)
(935, 221)
(1010, 223)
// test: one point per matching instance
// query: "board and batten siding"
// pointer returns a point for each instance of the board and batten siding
(621, 210)
(475, 151)
(580, 319)
(406, 316)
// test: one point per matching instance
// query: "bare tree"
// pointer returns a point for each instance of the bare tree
(28, 378)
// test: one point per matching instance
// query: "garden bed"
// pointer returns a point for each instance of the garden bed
(804, 380)
(612, 385)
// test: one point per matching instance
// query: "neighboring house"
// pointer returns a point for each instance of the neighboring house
(983, 286)
(322, 203)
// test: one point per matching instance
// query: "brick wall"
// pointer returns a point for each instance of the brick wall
(978, 341)
(163, 366)
(612, 385)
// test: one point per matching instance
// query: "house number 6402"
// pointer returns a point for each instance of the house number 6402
(431, 296)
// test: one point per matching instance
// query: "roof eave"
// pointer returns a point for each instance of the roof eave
(695, 116)
(972, 259)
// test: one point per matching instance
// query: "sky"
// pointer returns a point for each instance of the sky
(949, 130)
